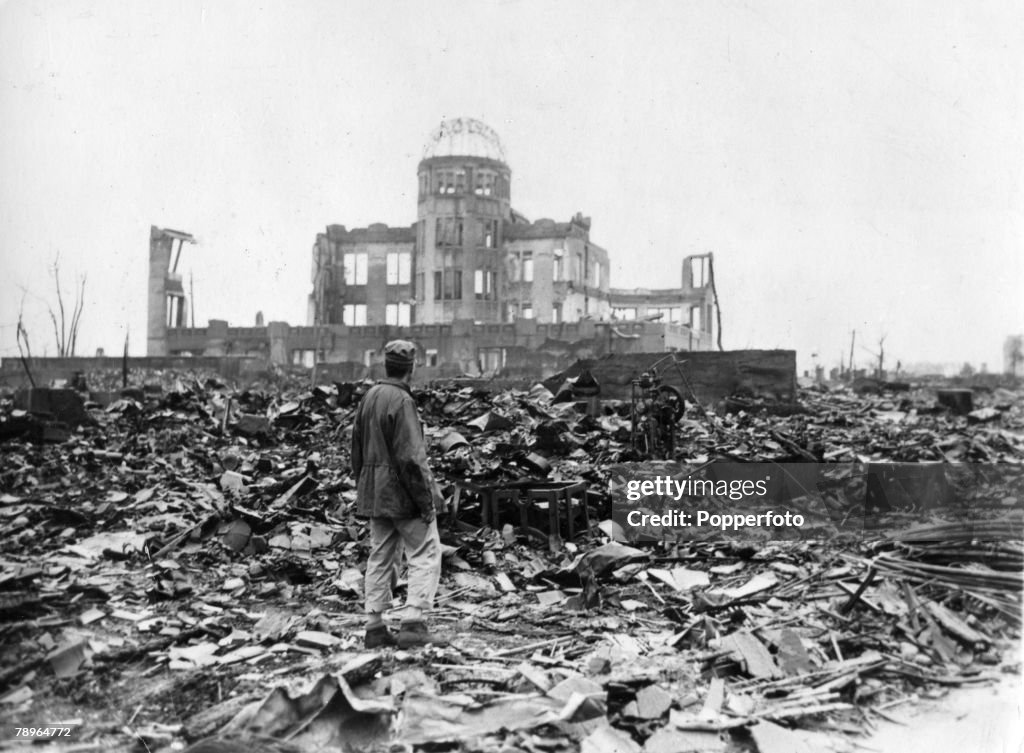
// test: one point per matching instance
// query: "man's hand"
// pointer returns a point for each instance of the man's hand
(440, 502)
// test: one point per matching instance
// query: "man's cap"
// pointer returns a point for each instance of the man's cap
(401, 352)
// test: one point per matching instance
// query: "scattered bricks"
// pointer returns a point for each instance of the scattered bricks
(960, 402)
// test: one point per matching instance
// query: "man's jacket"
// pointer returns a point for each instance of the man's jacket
(389, 456)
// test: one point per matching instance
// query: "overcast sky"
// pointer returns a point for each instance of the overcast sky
(852, 165)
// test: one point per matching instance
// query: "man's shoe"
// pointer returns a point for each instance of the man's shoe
(415, 634)
(379, 636)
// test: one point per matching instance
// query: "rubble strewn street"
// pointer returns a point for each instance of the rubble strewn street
(182, 570)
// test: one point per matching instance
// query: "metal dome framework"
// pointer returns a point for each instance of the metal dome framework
(464, 137)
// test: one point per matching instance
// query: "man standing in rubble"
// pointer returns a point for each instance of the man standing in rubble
(396, 491)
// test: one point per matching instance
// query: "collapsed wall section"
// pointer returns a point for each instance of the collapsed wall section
(712, 375)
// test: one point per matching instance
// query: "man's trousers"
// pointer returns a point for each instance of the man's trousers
(388, 537)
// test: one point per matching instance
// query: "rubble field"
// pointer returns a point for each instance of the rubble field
(181, 569)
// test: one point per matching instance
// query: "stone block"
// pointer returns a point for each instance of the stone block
(65, 406)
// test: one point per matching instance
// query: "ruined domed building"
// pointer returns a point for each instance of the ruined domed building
(476, 285)
(468, 256)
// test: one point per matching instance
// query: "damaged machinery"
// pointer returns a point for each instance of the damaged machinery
(655, 409)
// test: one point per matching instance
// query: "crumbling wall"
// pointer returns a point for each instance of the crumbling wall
(46, 370)
(342, 371)
(166, 302)
(712, 375)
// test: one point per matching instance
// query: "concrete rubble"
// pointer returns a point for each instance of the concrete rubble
(181, 569)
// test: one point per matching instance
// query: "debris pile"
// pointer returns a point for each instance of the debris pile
(185, 566)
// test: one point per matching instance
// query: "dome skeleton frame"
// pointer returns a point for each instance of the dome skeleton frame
(464, 137)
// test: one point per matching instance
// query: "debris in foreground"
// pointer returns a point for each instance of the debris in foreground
(185, 569)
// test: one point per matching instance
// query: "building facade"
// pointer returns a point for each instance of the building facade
(480, 288)
(167, 303)
(469, 255)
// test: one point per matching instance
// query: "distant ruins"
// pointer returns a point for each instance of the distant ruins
(479, 288)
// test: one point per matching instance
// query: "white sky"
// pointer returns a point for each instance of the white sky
(852, 164)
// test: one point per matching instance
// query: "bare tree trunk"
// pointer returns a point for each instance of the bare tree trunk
(26, 354)
(56, 332)
(65, 332)
(62, 343)
(77, 316)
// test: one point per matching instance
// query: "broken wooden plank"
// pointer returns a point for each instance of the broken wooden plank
(316, 639)
(956, 626)
(845, 608)
(752, 654)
